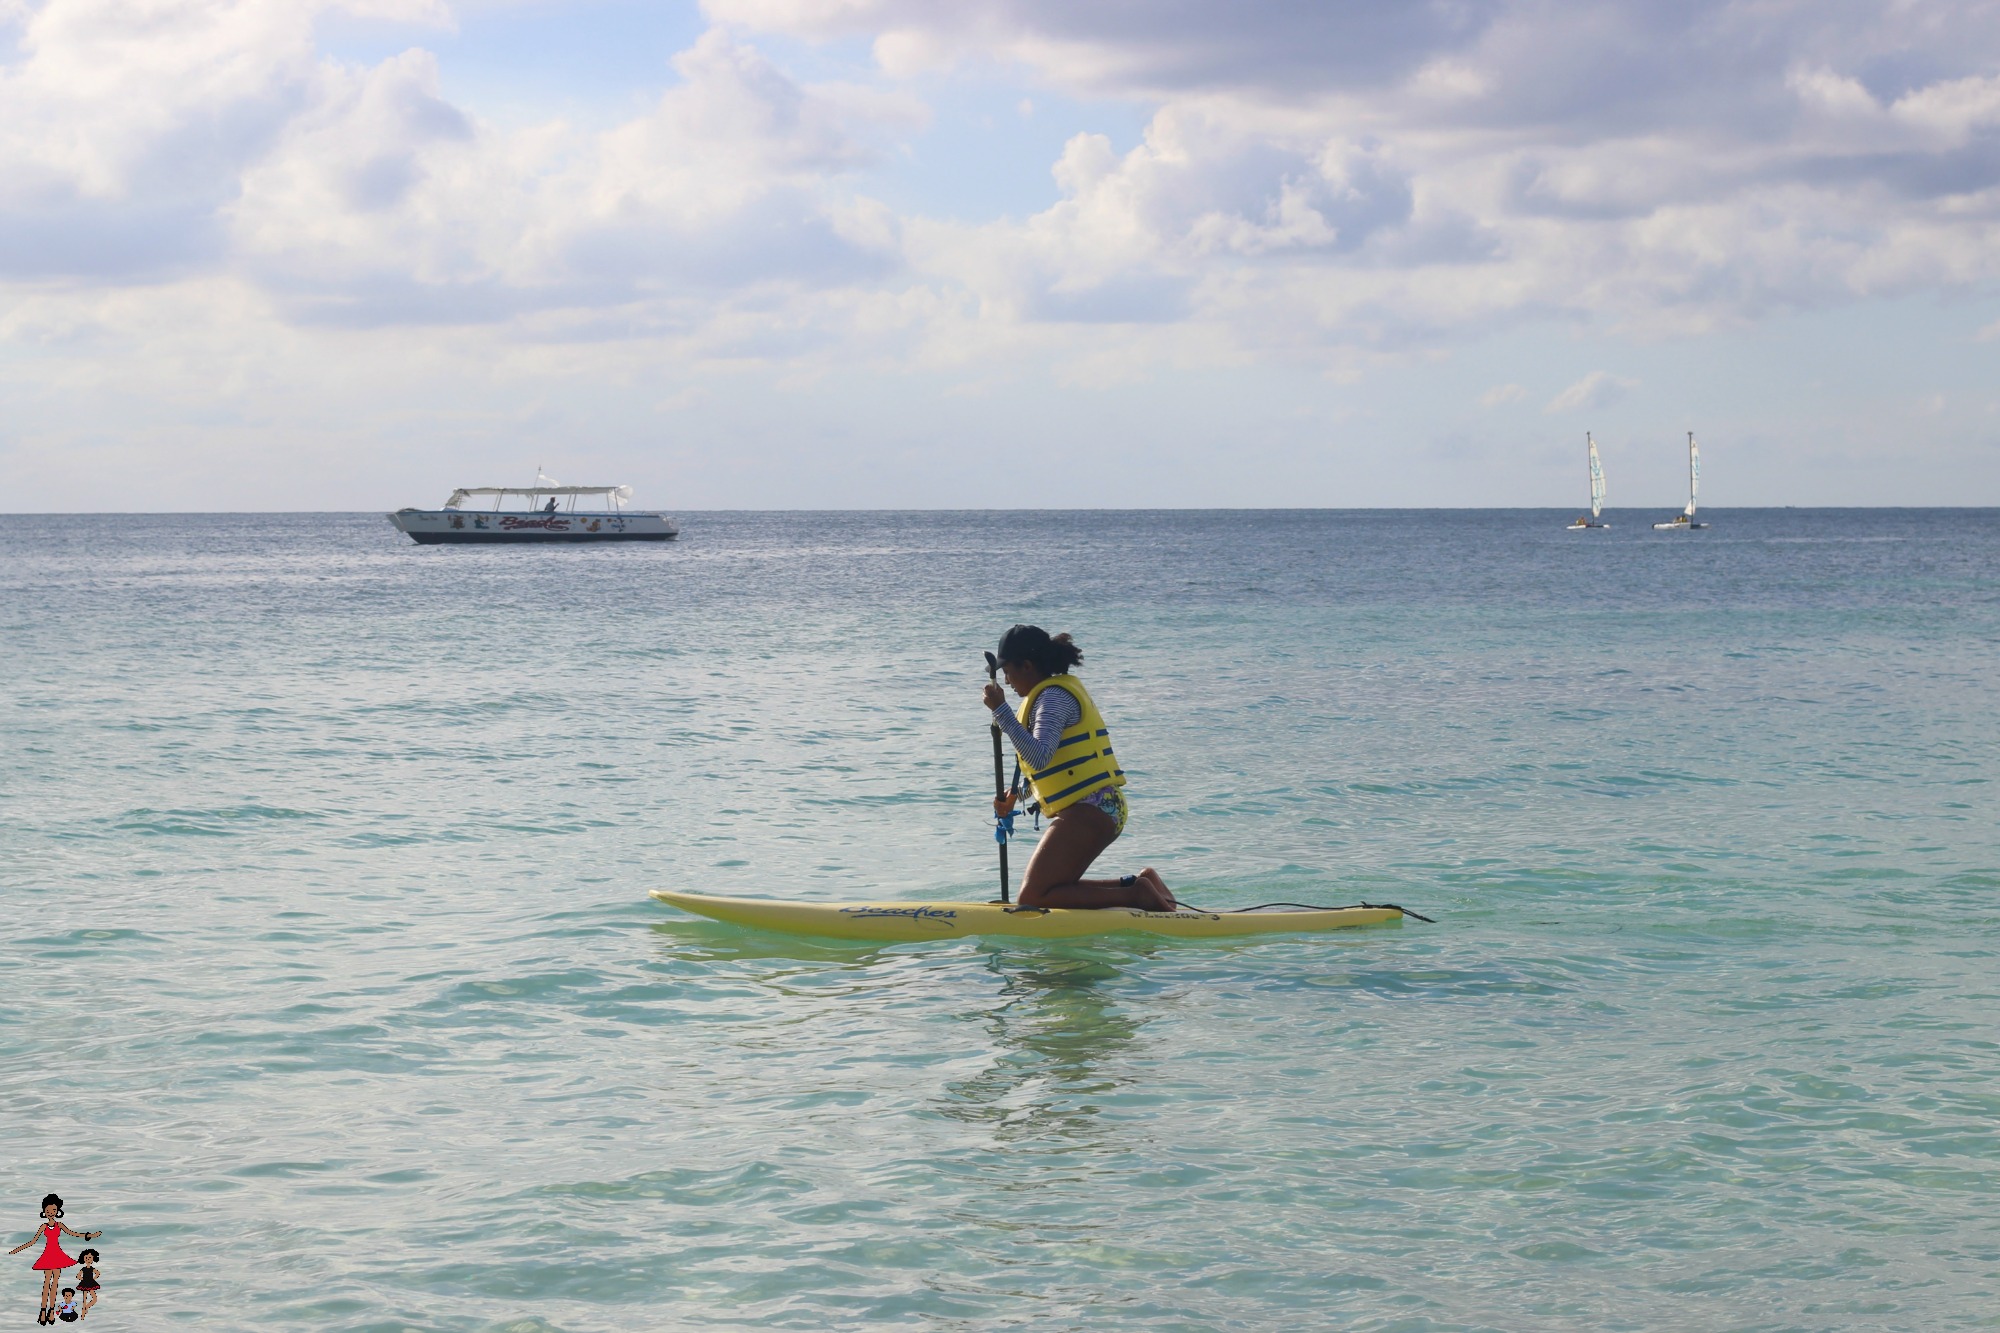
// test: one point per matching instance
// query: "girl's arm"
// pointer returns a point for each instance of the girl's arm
(24, 1244)
(80, 1235)
(1056, 711)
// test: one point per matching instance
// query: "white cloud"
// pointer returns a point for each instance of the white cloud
(1318, 186)
(1163, 48)
(384, 203)
(1657, 164)
(1597, 389)
(124, 127)
(210, 136)
(1313, 176)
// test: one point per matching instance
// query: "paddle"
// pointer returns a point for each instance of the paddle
(1003, 825)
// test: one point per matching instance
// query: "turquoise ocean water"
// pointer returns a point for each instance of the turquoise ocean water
(333, 996)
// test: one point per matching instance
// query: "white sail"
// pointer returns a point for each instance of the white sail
(1694, 474)
(1596, 478)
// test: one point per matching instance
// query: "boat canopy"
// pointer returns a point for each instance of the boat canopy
(458, 497)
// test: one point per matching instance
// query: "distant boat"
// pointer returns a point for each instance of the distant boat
(1684, 521)
(1596, 490)
(549, 515)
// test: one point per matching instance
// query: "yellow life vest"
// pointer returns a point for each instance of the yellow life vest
(1083, 762)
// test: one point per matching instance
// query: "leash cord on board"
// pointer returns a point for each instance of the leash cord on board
(1186, 906)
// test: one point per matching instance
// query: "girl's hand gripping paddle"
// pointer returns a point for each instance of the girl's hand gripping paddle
(1003, 823)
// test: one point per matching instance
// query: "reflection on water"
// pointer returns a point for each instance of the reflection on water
(1057, 1038)
(695, 940)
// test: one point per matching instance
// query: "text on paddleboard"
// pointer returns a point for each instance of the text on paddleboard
(914, 913)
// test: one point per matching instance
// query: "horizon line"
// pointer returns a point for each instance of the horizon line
(1045, 509)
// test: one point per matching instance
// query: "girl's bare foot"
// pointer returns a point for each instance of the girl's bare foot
(1150, 878)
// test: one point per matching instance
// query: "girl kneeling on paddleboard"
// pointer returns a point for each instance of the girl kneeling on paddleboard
(1065, 750)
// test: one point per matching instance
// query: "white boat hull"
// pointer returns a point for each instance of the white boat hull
(1680, 527)
(433, 527)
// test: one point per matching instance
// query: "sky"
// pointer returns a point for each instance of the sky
(351, 254)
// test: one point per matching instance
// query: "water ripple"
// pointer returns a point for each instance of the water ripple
(336, 999)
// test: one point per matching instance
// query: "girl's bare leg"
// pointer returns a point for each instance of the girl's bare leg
(1075, 838)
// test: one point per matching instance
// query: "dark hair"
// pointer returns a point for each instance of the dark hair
(95, 1257)
(1032, 644)
(48, 1199)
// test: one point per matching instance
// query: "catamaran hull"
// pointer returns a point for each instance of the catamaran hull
(438, 527)
(1680, 527)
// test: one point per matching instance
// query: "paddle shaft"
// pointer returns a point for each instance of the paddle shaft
(999, 790)
(999, 772)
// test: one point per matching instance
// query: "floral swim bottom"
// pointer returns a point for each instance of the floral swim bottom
(1112, 802)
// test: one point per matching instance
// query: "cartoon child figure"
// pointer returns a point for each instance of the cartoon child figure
(53, 1260)
(67, 1310)
(87, 1262)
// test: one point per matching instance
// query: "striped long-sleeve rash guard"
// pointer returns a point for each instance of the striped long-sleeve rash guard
(1056, 711)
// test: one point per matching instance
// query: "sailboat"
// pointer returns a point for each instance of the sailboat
(1596, 490)
(1684, 521)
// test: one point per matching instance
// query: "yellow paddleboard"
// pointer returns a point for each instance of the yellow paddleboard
(951, 921)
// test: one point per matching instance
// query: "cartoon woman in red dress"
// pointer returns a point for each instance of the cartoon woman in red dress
(53, 1260)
